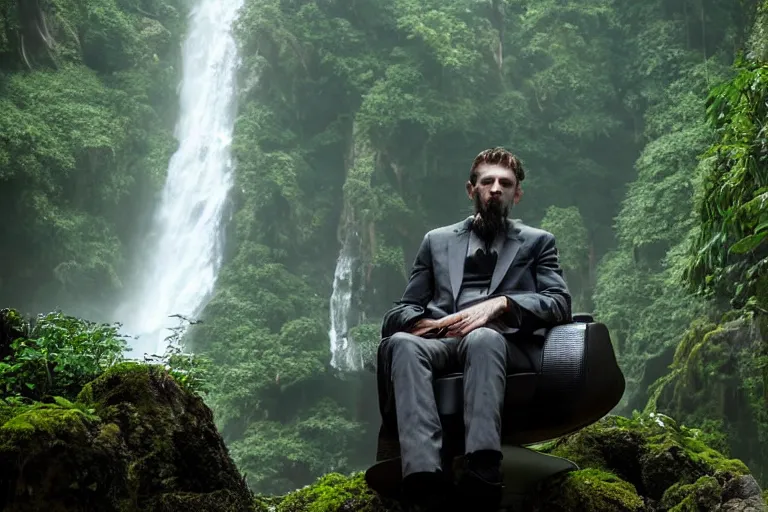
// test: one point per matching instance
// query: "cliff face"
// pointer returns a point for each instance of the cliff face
(718, 381)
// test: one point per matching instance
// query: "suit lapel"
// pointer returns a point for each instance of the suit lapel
(457, 253)
(508, 253)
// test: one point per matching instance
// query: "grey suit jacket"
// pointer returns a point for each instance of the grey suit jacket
(527, 271)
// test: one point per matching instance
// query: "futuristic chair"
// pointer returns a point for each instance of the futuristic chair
(579, 383)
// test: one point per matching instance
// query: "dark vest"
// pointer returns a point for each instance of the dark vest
(478, 270)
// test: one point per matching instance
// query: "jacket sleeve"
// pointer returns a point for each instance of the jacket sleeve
(418, 293)
(551, 303)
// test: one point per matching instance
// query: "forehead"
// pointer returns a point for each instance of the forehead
(495, 171)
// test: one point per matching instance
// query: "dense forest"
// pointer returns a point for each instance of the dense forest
(640, 125)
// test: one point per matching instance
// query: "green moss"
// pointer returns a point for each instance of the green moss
(692, 339)
(699, 451)
(704, 494)
(335, 492)
(589, 490)
(58, 456)
(41, 425)
(132, 378)
(597, 446)
(649, 451)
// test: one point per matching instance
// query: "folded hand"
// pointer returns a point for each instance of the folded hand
(423, 326)
(462, 323)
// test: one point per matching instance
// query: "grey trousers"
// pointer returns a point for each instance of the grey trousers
(484, 355)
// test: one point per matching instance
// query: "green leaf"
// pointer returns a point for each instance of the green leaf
(748, 243)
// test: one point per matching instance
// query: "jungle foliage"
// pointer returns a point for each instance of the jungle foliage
(87, 96)
(357, 122)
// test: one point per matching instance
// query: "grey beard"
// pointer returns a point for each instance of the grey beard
(491, 221)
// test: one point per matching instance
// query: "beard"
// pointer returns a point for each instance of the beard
(490, 218)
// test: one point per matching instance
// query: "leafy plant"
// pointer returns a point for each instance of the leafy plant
(55, 354)
(729, 257)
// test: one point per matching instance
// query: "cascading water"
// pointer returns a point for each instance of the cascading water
(344, 353)
(179, 268)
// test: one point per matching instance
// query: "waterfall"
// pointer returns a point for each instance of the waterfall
(178, 269)
(344, 353)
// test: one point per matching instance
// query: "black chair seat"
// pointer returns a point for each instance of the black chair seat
(580, 382)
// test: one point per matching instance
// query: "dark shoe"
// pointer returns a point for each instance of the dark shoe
(428, 491)
(480, 485)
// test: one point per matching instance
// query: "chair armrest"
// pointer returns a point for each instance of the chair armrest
(563, 359)
(579, 368)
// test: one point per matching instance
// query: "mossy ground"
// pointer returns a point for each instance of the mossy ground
(335, 492)
(644, 464)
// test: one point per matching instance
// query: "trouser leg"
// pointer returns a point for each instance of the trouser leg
(412, 361)
(483, 355)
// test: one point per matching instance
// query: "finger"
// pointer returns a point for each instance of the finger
(464, 322)
(456, 330)
(471, 326)
(449, 320)
(459, 328)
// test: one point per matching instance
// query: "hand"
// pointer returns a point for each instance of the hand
(440, 326)
(476, 316)
(423, 326)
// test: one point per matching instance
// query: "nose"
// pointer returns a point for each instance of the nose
(496, 187)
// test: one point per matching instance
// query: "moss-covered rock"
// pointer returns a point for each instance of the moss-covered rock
(134, 441)
(643, 464)
(335, 492)
(718, 381)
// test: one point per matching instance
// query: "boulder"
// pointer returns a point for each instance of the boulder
(133, 440)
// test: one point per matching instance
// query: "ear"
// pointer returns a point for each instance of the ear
(518, 194)
(470, 189)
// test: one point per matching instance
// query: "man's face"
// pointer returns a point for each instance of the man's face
(496, 189)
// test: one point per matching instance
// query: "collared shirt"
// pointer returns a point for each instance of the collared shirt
(477, 244)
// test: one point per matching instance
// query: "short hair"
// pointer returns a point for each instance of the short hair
(497, 156)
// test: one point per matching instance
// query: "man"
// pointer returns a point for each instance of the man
(476, 291)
